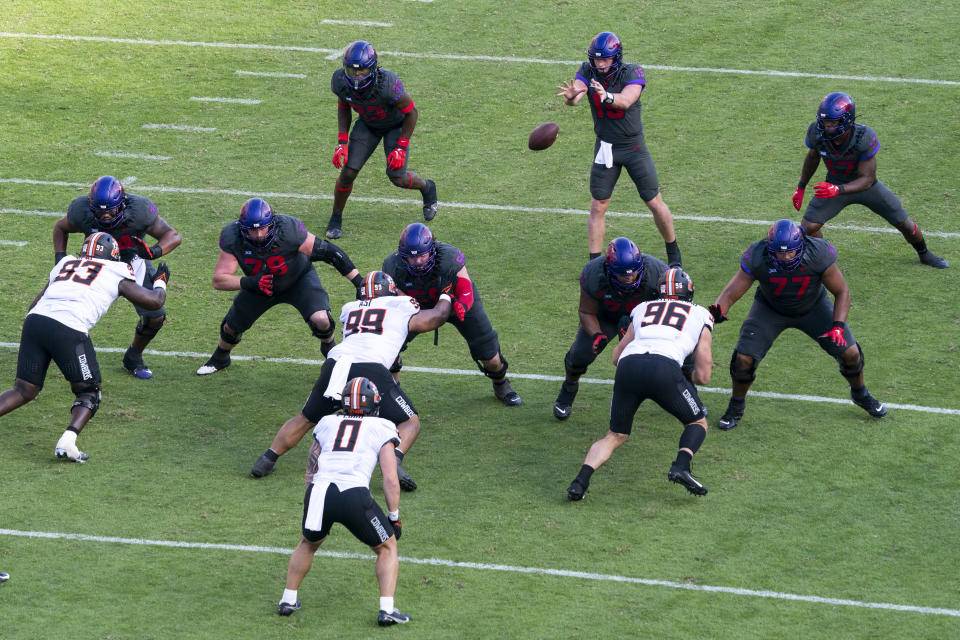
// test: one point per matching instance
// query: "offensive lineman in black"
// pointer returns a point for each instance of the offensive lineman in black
(384, 111)
(793, 272)
(610, 287)
(274, 252)
(613, 91)
(128, 218)
(424, 268)
(850, 152)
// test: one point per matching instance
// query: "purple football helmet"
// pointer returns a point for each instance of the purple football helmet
(785, 236)
(605, 44)
(257, 214)
(107, 201)
(415, 241)
(836, 106)
(623, 259)
(360, 63)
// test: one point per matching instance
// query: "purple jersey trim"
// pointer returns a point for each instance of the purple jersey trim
(872, 153)
(581, 79)
(639, 81)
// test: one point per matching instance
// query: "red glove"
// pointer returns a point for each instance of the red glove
(340, 153)
(398, 157)
(600, 340)
(460, 310)
(265, 284)
(258, 284)
(798, 198)
(826, 190)
(836, 334)
(145, 252)
(463, 291)
(717, 314)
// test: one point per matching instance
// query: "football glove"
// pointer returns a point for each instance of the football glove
(162, 274)
(145, 252)
(398, 157)
(340, 153)
(623, 326)
(459, 310)
(797, 198)
(836, 334)
(397, 528)
(58, 256)
(826, 190)
(600, 340)
(258, 284)
(717, 314)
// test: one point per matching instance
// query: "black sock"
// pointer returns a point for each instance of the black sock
(859, 392)
(691, 438)
(221, 355)
(683, 460)
(271, 455)
(74, 429)
(738, 402)
(584, 476)
(921, 247)
(399, 454)
(594, 255)
(673, 253)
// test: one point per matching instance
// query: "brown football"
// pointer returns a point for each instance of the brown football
(543, 136)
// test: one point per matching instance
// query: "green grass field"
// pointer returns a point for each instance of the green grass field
(820, 522)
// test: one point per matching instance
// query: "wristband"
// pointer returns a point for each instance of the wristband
(156, 251)
(356, 281)
(160, 284)
(445, 296)
(394, 515)
(609, 99)
(801, 185)
(840, 189)
(342, 138)
(838, 324)
(403, 143)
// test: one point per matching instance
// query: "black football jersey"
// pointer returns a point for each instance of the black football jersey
(426, 290)
(281, 257)
(138, 216)
(615, 304)
(792, 293)
(611, 124)
(375, 105)
(842, 163)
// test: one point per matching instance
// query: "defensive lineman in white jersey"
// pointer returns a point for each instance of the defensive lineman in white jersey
(650, 364)
(79, 291)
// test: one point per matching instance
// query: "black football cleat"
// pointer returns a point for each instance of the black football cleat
(682, 476)
(262, 467)
(430, 204)
(506, 394)
(385, 619)
(285, 608)
(732, 416)
(933, 260)
(334, 230)
(563, 407)
(576, 491)
(870, 404)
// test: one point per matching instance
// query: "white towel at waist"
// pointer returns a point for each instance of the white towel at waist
(338, 378)
(605, 155)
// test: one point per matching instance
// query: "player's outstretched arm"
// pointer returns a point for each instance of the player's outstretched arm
(703, 357)
(836, 284)
(147, 298)
(429, 319)
(739, 284)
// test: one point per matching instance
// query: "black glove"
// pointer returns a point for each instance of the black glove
(717, 314)
(145, 252)
(600, 340)
(262, 285)
(624, 325)
(687, 368)
(58, 256)
(397, 528)
(162, 273)
(357, 282)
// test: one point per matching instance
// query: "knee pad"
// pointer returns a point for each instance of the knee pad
(87, 395)
(572, 370)
(852, 371)
(145, 329)
(229, 338)
(742, 374)
(499, 373)
(323, 334)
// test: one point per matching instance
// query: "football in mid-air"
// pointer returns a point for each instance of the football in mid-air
(543, 136)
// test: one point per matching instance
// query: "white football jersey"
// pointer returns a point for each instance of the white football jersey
(375, 330)
(350, 448)
(668, 328)
(81, 290)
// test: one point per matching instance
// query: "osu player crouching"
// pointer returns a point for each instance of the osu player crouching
(57, 327)
(350, 444)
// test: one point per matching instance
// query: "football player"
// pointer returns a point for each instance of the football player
(57, 327)
(425, 268)
(793, 272)
(375, 328)
(662, 335)
(385, 111)
(610, 287)
(613, 89)
(128, 218)
(346, 447)
(274, 252)
(850, 152)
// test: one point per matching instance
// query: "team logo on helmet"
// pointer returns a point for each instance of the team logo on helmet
(361, 397)
(836, 106)
(675, 284)
(624, 264)
(107, 201)
(100, 245)
(785, 245)
(254, 215)
(377, 284)
(417, 241)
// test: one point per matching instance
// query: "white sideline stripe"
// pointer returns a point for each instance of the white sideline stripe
(33, 213)
(358, 23)
(522, 376)
(230, 100)
(138, 156)
(129, 180)
(454, 205)
(438, 562)
(178, 127)
(270, 74)
(439, 56)
(14, 243)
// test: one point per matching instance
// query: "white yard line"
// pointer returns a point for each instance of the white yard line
(358, 23)
(179, 127)
(228, 100)
(135, 156)
(270, 74)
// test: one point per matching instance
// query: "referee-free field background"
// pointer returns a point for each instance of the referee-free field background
(819, 522)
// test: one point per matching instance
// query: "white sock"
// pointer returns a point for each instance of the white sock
(289, 596)
(69, 438)
(386, 603)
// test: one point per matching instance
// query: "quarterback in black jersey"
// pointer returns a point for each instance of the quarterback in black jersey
(850, 152)
(275, 252)
(610, 287)
(424, 269)
(128, 218)
(793, 272)
(385, 111)
(613, 89)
